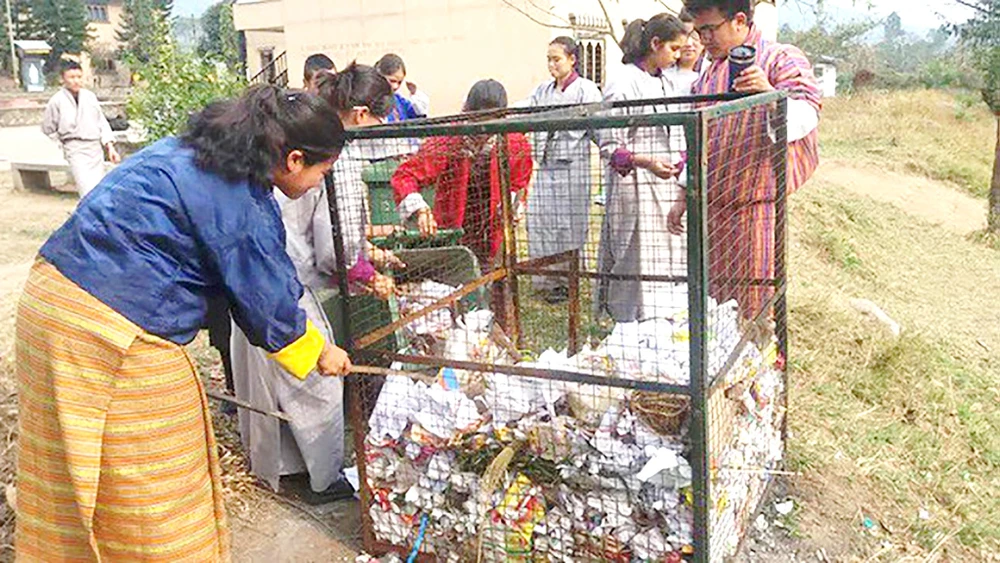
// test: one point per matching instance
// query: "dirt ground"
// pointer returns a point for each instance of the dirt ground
(267, 527)
(932, 201)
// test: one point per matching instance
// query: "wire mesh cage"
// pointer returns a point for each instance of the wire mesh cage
(585, 341)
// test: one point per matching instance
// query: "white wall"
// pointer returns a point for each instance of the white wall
(447, 44)
(257, 40)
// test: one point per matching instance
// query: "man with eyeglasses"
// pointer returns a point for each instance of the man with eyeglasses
(741, 183)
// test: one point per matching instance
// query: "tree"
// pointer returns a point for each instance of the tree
(220, 40)
(172, 85)
(843, 40)
(145, 28)
(187, 33)
(5, 62)
(60, 23)
(893, 28)
(982, 32)
(65, 26)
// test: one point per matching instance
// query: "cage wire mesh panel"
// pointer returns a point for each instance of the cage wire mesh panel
(745, 221)
(566, 381)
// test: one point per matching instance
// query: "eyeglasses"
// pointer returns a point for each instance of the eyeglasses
(706, 32)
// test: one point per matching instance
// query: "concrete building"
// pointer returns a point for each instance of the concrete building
(447, 44)
(100, 65)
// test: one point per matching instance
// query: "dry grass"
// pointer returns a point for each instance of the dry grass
(940, 135)
(895, 426)
(240, 489)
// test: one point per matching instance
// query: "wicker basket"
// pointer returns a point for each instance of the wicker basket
(662, 413)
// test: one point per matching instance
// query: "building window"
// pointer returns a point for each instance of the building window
(592, 61)
(97, 12)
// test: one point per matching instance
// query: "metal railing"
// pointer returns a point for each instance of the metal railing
(275, 72)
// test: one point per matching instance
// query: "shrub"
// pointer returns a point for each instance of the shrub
(171, 86)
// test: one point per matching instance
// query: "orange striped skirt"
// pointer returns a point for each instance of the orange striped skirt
(116, 454)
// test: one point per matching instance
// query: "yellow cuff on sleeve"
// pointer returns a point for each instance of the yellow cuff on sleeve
(300, 357)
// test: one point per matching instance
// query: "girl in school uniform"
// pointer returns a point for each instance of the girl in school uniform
(559, 202)
(642, 181)
(466, 172)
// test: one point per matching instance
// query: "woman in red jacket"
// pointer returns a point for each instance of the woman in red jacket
(465, 172)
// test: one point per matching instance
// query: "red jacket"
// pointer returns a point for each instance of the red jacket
(444, 162)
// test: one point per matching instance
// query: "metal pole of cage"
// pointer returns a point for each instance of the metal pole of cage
(356, 414)
(573, 330)
(511, 305)
(697, 235)
(780, 165)
(546, 121)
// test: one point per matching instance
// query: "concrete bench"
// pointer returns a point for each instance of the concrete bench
(36, 175)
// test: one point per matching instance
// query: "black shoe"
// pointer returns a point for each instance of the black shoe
(557, 296)
(227, 408)
(341, 489)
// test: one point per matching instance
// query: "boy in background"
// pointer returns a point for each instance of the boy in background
(315, 64)
(74, 119)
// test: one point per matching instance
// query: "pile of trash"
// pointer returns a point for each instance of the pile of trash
(504, 467)
(751, 444)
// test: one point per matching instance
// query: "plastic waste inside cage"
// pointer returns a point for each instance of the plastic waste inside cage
(538, 430)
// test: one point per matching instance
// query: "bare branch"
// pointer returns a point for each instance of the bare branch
(669, 8)
(532, 18)
(611, 24)
(548, 12)
(972, 5)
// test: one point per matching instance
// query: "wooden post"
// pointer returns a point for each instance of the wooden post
(10, 43)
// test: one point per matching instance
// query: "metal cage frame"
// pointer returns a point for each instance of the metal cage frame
(695, 123)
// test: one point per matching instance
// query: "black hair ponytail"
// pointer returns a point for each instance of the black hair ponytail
(640, 33)
(246, 138)
(357, 85)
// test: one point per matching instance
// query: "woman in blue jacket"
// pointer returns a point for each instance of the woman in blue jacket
(116, 456)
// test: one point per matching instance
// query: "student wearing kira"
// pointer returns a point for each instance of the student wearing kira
(116, 456)
(466, 172)
(559, 202)
(307, 453)
(642, 181)
(218, 319)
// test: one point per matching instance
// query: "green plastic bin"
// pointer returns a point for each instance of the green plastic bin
(381, 198)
